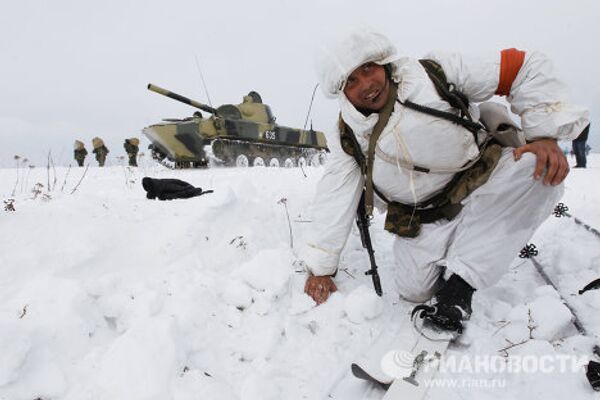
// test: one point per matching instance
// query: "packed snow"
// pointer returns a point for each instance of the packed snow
(105, 294)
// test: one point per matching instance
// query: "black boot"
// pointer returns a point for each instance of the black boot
(451, 305)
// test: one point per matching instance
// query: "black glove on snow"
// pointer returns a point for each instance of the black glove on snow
(169, 189)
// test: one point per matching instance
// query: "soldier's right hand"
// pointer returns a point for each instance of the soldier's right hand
(319, 288)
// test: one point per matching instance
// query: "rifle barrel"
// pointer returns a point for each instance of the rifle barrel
(181, 98)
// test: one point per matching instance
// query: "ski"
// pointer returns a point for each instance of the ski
(414, 386)
(404, 363)
(378, 363)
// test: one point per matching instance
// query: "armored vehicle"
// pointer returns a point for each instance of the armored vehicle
(233, 135)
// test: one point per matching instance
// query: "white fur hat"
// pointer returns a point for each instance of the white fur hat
(337, 61)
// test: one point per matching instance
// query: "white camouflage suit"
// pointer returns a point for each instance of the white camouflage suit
(497, 219)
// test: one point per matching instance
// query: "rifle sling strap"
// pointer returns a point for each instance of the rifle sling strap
(384, 117)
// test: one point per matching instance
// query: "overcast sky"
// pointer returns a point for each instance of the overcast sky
(75, 69)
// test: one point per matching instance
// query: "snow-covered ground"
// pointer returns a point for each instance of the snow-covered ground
(107, 295)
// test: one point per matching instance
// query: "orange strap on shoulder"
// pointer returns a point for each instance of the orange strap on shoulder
(510, 64)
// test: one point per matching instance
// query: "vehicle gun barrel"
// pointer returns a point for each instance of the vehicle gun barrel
(181, 98)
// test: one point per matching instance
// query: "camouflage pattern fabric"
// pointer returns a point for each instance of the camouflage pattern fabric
(132, 150)
(101, 153)
(477, 175)
(79, 155)
(346, 140)
(405, 220)
(402, 221)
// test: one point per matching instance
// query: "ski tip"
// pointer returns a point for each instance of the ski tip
(360, 373)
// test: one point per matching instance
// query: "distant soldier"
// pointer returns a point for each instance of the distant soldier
(100, 150)
(131, 148)
(253, 109)
(79, 152)
(579, 148)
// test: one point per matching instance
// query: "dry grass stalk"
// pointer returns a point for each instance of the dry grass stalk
(23, 184)
(48, 170)
(81, 179)
(284, 202)
(17, 158)
(65, 180)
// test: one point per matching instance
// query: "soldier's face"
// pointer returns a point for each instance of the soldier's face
(367, 87)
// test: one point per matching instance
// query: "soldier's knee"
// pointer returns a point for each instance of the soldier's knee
(416, 295)
(419, 288)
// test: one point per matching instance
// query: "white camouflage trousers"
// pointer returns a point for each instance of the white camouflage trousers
(495, 223)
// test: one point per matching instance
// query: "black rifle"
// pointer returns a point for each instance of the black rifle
(363, 227)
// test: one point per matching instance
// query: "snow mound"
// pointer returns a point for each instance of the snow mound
(362, 304)
(269, 271)
(544, 318)
(238, 294)
(139, 364)
(14, 348)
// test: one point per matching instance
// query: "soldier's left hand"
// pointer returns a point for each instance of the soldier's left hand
(549, 157)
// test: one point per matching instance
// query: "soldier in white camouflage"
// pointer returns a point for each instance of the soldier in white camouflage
(413, 141)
